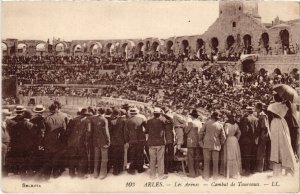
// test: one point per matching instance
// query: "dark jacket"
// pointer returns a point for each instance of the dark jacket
(134, 130)
(78, 131)
(21, 137)
(248, 127)
(117, 131)
(38, 131)
(155, 128)
(100, 137)
(55, 126)
(169, 133)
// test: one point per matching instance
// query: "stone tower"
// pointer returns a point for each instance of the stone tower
(229, 8)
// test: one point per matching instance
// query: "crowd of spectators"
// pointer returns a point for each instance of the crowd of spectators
(210, 87)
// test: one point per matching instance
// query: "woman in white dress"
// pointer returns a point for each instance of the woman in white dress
(231, 164)
(282, 154)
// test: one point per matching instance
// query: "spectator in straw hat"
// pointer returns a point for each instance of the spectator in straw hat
(155, 129)
(38, 134)
(193, 153)
(135, 137)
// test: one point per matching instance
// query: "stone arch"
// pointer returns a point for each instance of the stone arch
(140, 49)
(185, 47)
(284, 38)
(108, 49)
(40, 48)
(199, 43)
(154, 46)
(247, 43)
(77, 48)
(214, 43)
(229, 41)
(22, 47)
(4, 48)
(60, 47)
(265, 39)
(124, 49)
(95, 48)
(170, 47)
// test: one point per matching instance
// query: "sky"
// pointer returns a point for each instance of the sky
(120, 20)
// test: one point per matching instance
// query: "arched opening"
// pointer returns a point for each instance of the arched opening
(215, 44)
(95, 48)
(22, 48)
(248, 66)
(147, 46)
(247, 44)
(265, 39)
(124, 49)
(284, 37)
(185, 47)
(4, 48)
(229, 41)
(108, 51)
(154, 46)
(40, 48)
(199, 44)
(140, 49)
(59, 47)
(277, 71)
(77, 49)
(170, 47)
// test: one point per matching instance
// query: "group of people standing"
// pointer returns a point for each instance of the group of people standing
(97, 141)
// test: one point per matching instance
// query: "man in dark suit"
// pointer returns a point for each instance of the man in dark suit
(55, 126)
(117, 134)
(248, 141)
(101, 143)
(136, 138)
(78, 132)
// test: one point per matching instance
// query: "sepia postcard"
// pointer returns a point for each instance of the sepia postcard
(150, 96)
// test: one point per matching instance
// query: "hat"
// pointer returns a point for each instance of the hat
(39, 109)
(249, 108)
(19, 109)
(194, 113)
(179, 106)
(216, 115)
(116, 111)
(6, 112)
(123, 111)
(157, 110)
(133, 111)
(108, 111)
